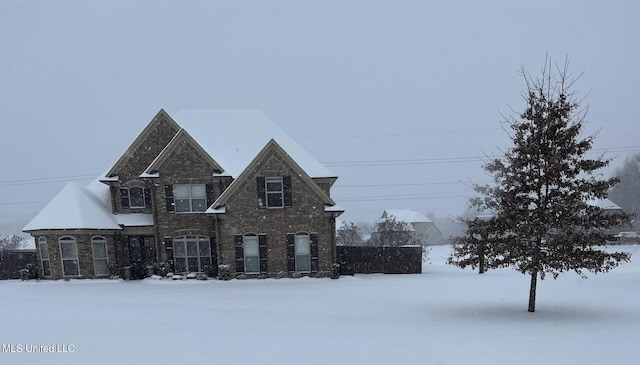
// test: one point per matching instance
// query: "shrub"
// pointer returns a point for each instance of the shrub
(30, 271)
(281, 275)
(115, 271)
(335, 271)
(161, 268)
(209, 270)
(224, 272)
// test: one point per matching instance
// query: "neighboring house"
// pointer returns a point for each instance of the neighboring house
(423, 228)
(209, 187)
(609, 207)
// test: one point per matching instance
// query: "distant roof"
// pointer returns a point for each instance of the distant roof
(406, 215)
(604, 204)
(234, 137)
(75, 207)
(84, 207)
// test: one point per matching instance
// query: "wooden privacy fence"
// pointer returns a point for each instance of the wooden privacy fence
(11, 261)
(385, 260)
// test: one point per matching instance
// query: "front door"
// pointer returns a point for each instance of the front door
(141, 254)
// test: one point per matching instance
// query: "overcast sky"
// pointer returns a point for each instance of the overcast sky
(400, 99)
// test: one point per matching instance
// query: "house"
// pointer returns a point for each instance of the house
(422, 227)
(205, 188)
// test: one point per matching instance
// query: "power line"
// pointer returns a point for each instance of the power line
(466, 159)
(46, 180)
(22, 203)
(407, 184)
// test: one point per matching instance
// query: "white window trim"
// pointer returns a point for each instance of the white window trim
(182, 240)
(280, 192)
(190, 198)
(93, 254)
(62, 259)
(308, 235)
(43, 241)
(245, 252)
(144, 201)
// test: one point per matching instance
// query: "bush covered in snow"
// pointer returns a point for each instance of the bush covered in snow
(224, 272)
(335, 271)
(161, 268)
(30, 271)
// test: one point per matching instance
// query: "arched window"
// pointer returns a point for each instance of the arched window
(43, 246)
(135, 197)
(251, 253)
(69, 256)
(100, 262)
(191, 253)
(303, 252)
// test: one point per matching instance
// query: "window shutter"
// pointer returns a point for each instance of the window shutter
(239, 253)
(262, 244)
(210, 197)
(262, 198)
(124, 197)
(291, 252)
(147, 197)
(214, 253)
(168, 193)
(168, 249)
(286, 190)
(314, 252)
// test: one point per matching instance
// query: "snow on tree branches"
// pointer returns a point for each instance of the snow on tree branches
(543, 222)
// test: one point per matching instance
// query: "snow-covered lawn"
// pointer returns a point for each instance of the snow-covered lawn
(444, 316)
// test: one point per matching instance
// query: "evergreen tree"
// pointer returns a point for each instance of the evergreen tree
(473, 249)
(625, 194)
(543, 223)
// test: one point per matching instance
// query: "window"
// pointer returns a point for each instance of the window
(274, 192)
(303, 252)
(69, 256)
(190, 198)
(44, 256)
(251, 254)
(100, 263)
(135, 197)
(191, 253)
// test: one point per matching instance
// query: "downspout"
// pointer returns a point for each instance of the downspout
(156, 225)
(216, 229)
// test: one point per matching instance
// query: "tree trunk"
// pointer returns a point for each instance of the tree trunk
(481, 258)
(532, 292)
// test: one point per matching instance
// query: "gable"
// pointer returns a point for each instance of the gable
(145, 148)
(179, 150)
(270, 151)
(235, 137)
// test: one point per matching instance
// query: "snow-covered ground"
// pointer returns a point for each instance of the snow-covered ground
(444, 316)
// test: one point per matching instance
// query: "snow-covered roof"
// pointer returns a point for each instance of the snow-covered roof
(75, 207)
(333, 208)
(234, 137)
(134, 219)
(406, 215)
(604, 204)
(84, 207)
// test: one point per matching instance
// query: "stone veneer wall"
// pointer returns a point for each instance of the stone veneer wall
(306, 215)
(84, 248)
